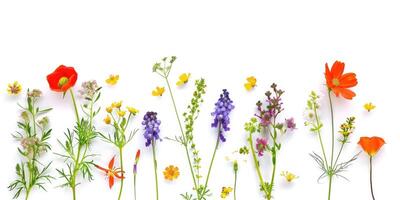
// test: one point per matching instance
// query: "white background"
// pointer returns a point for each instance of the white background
(287, 42)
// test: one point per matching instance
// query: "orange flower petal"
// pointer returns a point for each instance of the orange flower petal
(348, 80)
(347, 94)
(337, 69)
(371, 145)
(111, 163)
(110, 181)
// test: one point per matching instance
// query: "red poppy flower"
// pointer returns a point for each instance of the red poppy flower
(339, 82)
(112, 172)
(62, 78)
(371, 145)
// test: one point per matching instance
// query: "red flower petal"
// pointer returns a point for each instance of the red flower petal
(111, 163)
(337, 69)
(110, 181)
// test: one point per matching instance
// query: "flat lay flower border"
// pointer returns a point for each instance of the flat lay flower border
(264, 131)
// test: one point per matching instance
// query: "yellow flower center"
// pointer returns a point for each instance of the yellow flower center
(63, 80)
(335, 82)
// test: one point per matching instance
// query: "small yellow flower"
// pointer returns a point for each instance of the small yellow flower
(109, 109)
(117, 104)
(369, 106)
(171, 173)
(158, 91)
(107, 120)
(112, 79)
(121, 113)
(132, 110)
(225, 192)
(14, 88)
(289, 176)
(251, 83)
(183, 79)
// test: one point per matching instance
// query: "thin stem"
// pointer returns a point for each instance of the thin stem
(330, 187)
(183, 135)
(256, 162)
(75, 106)
(155, 166)
(75, 172)
(370, 177)
(320, 137)
(212, 160)
(122, 170)
(274, 165)
(27, 194)
(340, 151)
(333, 127)
(134, 185)
(234, 186)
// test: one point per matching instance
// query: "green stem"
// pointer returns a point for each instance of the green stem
(330, 187)
(75, 172)
(256, 162)
(332, 145)
(183, 136)
(333, 127)
(370, 177)
(234, 186)
(122, 170)
(27, 194)
(75, 106)
(319, 136)
(155, 166)
(212, 161)
(134, 185)
(340, 152)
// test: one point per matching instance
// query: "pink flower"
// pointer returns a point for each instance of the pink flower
(261, 146)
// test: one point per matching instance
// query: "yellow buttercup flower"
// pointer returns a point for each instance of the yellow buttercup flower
(251, 83)
(183, 79)
(289, 176)
(117, 104)
(158, 91)
(112, 79)
(171, 173)
(109, 109)
(121, 113)
(132, 110)
(14, 88)
(107, 120)
(369, 106)
(225, 192)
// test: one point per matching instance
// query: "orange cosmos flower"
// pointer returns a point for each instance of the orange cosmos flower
(371, 145)
(111, 172)
(338, 82)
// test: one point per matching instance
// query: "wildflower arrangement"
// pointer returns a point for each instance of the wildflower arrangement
(116, 117)
(77, 158)
(151, 135)
(33, 137)
(267, 130)
(371, 146)
(338, 84)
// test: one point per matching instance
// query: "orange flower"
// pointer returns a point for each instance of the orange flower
(111, 172)
(339, 82)
(371, 145)
(171, 172)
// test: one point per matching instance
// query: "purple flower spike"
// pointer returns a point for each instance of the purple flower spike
(223, 107)
(151, 127)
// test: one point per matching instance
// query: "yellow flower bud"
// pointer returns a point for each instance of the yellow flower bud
(107, 120)
(132, 110)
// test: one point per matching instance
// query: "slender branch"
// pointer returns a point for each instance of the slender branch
(122, 170)
(370, 177)
(155, 166)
